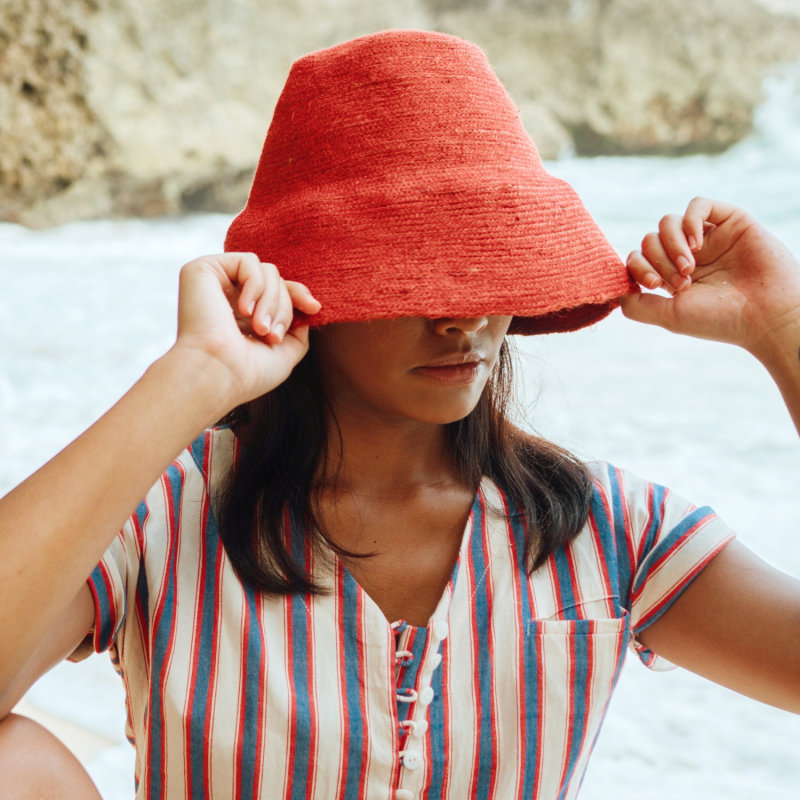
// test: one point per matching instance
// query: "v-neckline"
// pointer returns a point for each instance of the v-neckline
(442, 606)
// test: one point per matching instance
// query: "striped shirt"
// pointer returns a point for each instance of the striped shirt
(231, 694)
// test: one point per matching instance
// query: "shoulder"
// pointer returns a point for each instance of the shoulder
(201, 468)
(616, 486)
(213, 453)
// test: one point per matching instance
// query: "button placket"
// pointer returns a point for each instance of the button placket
(414, 728)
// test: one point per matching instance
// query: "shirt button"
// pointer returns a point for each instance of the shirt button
(404, 794)
(412, 759)
(420, 728)
(436, 660)
(426, 696)
(440, 629)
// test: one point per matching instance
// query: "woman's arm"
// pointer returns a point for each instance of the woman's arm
(234, 343)
(739, 621)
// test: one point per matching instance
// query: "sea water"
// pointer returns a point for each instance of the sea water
(87, 306)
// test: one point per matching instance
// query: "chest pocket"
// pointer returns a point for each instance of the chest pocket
(576, 664)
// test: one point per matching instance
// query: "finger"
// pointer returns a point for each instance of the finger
(283, 314)
(245, 273)
(642, 271)
(652, 309)
(702, 213)
(653, 250)
(300, 332)
(267, 304)
(302, 299)
(674, 242)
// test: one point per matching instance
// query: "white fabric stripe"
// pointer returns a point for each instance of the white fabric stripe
(497, 558)
(507, 640)
(276, 713)
(190, 552)
(459, 683)
(328, 700)
(378, 660)
(228, 682)
(176, 667)
(338, 610)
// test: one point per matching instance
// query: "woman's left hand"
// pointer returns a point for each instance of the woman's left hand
(730, 279)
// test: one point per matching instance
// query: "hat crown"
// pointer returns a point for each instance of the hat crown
(401, 103)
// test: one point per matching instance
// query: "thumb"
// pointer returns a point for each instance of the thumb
(652, 309)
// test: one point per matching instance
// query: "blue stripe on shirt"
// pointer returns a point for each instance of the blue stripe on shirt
(483, 614)
(530, 686)
(301, 689)
(199, 709)
(353, 711)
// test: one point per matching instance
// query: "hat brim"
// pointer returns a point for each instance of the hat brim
(508, 242)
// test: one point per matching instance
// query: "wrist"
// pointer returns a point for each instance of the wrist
(779, 347)
(206, 381)
(779, 352)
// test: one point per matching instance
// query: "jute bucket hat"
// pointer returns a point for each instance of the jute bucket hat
(397, 180)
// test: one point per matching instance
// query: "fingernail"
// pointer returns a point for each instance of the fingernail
(279, 330)
(693, 246)
(251, 307)
(678, 282)
(266, 322)
(311, 296)
(652, 281)
(683, 264)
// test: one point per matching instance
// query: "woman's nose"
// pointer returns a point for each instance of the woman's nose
(445, 325)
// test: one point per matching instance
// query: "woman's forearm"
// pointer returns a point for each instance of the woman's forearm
(55, 526)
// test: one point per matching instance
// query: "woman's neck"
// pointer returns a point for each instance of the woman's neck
(387, 457)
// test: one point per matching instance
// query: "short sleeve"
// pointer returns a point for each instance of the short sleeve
(109, 584)
(662, 543)
(136, 561)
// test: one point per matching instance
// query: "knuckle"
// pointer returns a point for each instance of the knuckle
(650, 241)
(669, 222)
(248, 264)
(191, 268)
(637, 263)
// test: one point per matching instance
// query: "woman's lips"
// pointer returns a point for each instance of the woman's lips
(455, 370)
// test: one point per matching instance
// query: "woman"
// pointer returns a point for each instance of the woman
(368, 583)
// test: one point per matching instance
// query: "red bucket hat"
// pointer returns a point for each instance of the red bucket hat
(397, 180)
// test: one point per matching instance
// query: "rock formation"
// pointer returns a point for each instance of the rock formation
(147, 107)
(615, 77)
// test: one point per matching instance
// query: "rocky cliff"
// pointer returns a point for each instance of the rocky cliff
(145, 107)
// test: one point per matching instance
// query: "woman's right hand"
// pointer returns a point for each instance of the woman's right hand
(239, 311)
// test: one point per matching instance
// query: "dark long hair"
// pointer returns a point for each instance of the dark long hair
(284, 445)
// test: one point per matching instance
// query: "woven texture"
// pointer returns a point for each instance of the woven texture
(397, 180)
